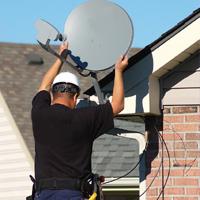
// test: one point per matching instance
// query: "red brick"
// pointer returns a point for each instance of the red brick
(172, 136)
(158, 182)
(185, 163)
(167, 127)
(186, 127)
(166, 198)
(152, 192)
(154, 172)
(170, 145)
(187, 145)
(185, 109)
(151, 198)
(193, 191)
(166, 110)
(192, 118)
(174, 154)
(186, 181)
(157, 163)
(185, 198)
(193, 154)
(192, 136)
(155, 198)
(175, 172)
(174, 191)
(193, 172)
(173, 119)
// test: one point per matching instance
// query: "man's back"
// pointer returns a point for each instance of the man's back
(64, 137)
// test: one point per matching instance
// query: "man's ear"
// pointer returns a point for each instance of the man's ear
(76, 96)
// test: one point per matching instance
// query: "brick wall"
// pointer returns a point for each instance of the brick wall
(181, 132)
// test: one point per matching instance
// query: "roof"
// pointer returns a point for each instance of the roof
(149, 48)
(114, 156)
(19, 80)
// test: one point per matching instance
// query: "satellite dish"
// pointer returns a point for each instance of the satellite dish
(46, 32)
(99, 31)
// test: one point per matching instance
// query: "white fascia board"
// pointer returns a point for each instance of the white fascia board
(175, 46)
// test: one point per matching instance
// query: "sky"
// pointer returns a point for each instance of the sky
(151, 18)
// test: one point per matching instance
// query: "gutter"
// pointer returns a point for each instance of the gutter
(123, 184)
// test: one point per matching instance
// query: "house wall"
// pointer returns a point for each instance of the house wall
(16, 163)
(180, 128)
(181, 132)
(182, 85)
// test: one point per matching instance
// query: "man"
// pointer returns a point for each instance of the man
(64, 134)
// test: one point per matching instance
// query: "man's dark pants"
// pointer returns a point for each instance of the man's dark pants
(59, 195)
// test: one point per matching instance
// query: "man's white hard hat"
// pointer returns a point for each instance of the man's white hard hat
(66, 77)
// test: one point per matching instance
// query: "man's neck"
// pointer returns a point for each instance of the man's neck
(63, 102)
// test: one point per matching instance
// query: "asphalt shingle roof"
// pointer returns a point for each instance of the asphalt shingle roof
(114, 156)
(19, 81)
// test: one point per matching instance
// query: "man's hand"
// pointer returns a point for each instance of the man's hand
(121, 63)
(63, 46)
(53, 71)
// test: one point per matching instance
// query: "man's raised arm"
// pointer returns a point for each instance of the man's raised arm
(118, 88)
(53, 71)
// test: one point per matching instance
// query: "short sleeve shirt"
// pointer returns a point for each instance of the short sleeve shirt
(64, 136)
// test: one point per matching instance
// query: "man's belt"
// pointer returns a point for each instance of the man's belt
(58, 184)
(90, 186)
